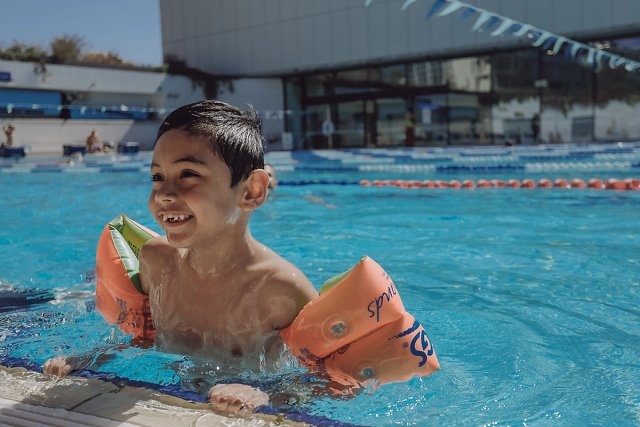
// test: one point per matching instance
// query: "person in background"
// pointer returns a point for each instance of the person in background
(8, 132)
(409, 130)
(535, 127)
(273, 179)
(214, 291)
(93, 142)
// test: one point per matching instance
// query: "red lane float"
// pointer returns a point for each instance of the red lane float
(633, 184)
(615, 184)
(528, 183)
(545, 183)
(595, 183)
(628, 184)
(577, 183)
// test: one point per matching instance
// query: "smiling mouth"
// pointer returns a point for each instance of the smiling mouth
(172, 219)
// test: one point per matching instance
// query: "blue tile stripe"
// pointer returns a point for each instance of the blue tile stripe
(177, 391)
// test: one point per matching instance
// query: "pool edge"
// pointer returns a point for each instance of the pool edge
(29, 395)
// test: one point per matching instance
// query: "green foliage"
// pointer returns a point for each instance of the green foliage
(99, 58)
(23, 52)
(67, 49)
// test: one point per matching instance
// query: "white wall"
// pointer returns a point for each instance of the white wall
(265, 95)
(47, 136)
(95, 87)
(101, 86)
(257, 37)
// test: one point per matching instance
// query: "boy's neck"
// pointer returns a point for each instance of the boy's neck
(222, 258)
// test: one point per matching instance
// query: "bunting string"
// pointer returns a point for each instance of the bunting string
(499, 25)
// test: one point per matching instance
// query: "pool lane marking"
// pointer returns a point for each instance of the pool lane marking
(630, 184)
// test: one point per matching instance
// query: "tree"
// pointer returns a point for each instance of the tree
(100, 58)
(67, 49)
(23, 52)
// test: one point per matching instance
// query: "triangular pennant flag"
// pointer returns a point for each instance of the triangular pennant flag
(503, 27)
(575, 47)
(466, 13)
(407, 3)
(482, 19)
(552, 43)
(544, 35)
(558, 44)
(613, 59)
(524, 29)
(437, 5)
(452, 7)
(493, 21)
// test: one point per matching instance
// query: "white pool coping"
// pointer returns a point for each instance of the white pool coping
(29, 398)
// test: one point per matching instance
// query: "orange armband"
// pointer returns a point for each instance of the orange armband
(119, 296)
(358, 331)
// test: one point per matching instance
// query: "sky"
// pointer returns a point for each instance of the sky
(128, 28)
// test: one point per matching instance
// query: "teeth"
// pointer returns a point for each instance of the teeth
(174, 218)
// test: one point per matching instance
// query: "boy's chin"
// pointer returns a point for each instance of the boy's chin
(177, 242)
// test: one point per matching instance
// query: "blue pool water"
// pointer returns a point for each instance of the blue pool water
(530, 297)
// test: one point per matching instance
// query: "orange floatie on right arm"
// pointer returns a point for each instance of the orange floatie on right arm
(119, 296)
(359, 332)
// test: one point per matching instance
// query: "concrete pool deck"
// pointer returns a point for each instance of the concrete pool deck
(28, 398)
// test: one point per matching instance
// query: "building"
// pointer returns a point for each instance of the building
(55, 105)
(368, 73)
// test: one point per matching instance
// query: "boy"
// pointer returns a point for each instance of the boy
(214, 291)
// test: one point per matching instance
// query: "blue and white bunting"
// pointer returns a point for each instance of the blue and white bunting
(500, 25)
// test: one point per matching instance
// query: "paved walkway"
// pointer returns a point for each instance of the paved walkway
(28, 398)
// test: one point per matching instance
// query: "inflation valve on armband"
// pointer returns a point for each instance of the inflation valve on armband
(358, 331)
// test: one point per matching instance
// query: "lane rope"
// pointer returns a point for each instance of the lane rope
(628, 184)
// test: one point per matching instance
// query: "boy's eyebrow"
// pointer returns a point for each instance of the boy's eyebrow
(186, 159)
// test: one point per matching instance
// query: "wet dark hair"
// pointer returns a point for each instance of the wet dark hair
(234, 135)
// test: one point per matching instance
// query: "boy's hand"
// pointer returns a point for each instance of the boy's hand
(236, 398)
(60, 366)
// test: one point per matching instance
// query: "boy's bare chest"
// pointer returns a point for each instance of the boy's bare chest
(206, 313)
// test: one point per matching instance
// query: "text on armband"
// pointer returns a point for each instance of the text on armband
(376, 304)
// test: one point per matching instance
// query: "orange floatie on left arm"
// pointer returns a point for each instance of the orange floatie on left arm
(359, 332)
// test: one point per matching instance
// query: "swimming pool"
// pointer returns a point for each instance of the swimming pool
(530, 296)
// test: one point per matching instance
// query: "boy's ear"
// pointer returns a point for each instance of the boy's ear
(255, 192)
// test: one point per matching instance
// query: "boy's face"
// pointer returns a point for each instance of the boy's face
(191, 197)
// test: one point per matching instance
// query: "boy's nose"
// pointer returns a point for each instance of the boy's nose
(166, 193)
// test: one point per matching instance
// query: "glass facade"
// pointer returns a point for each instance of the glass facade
(515, 97)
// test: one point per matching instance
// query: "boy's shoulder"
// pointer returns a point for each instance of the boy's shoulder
(285, 277)
(159, 249)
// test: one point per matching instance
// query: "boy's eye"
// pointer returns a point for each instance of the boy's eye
(156, 177)
(188, 173)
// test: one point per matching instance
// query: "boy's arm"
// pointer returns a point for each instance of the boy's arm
(236, 398)
(146, 260)
(62, 366)
(293, 289)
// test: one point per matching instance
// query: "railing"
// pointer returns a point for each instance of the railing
(79, 112)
